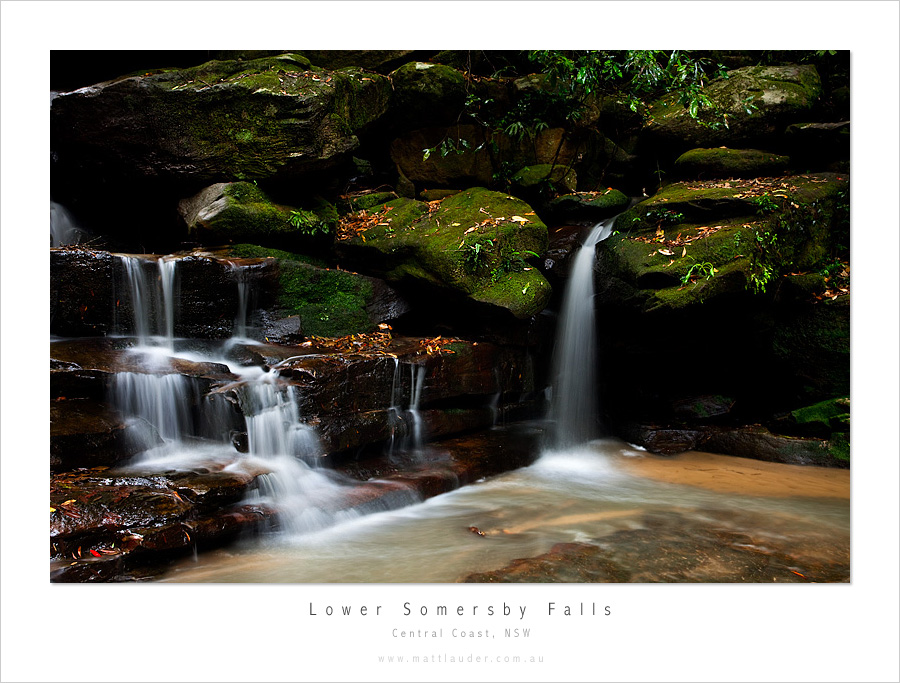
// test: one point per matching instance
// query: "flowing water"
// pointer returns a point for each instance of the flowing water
(607, 494)
(574, 398)
(63, 228)
(603, 495)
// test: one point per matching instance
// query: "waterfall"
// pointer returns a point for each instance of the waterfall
(164, 402)
(243, 295)
(574, 400)
(408, 420)
(152, 300)
(63, 229)
(307, 499)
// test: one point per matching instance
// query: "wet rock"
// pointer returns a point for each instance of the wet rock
(757, 442)
(81, 292)
(84, 433)
(90, 293)
(701, 408)
(565, 562)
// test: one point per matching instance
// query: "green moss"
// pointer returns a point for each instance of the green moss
(330, 303)
(435, 246)
(825, 415)
(839, 447)
(730, 163)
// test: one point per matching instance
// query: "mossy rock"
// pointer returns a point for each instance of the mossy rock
(757, 102)
(695, 242)
(240, 119)
(824, 417)
(721, 162)
(588, 206)
(241, 211)
(427, 94)
(327, 302)
(469, 244)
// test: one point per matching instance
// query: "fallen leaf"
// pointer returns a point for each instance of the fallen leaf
(519, 219)
(666, 252)
(683, 252)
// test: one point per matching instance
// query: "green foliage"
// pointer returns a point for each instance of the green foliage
(477, 253)
(307, 222)
(664, 217)
(633, 75)
(703, 270)
(765, 204)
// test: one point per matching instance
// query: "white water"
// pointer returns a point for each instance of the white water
(408, 421)
(575, 495)
(574, 404)
(63, 228)
(152, 299)
(179, 428)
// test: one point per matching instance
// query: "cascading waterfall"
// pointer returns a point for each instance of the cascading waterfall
(162, 405)
(573, 399)
(307, 499)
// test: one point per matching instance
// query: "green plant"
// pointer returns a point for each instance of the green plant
(697, 270)
(765, 204)
(477, 253)
(307, 222)
(664, 216)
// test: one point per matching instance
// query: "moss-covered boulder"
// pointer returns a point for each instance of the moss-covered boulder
(475, 244)
(426, 94)
(722, 162)
(588, 206)
(237, 212)
(694, 242)
(240, 119)
(751, 104)
(311, 300)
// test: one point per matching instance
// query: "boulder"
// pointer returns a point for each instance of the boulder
(748, 106)
(222, 120)
(474, 244)
(427, 94)
(696, 242)
(722, 162)
(241, 212)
